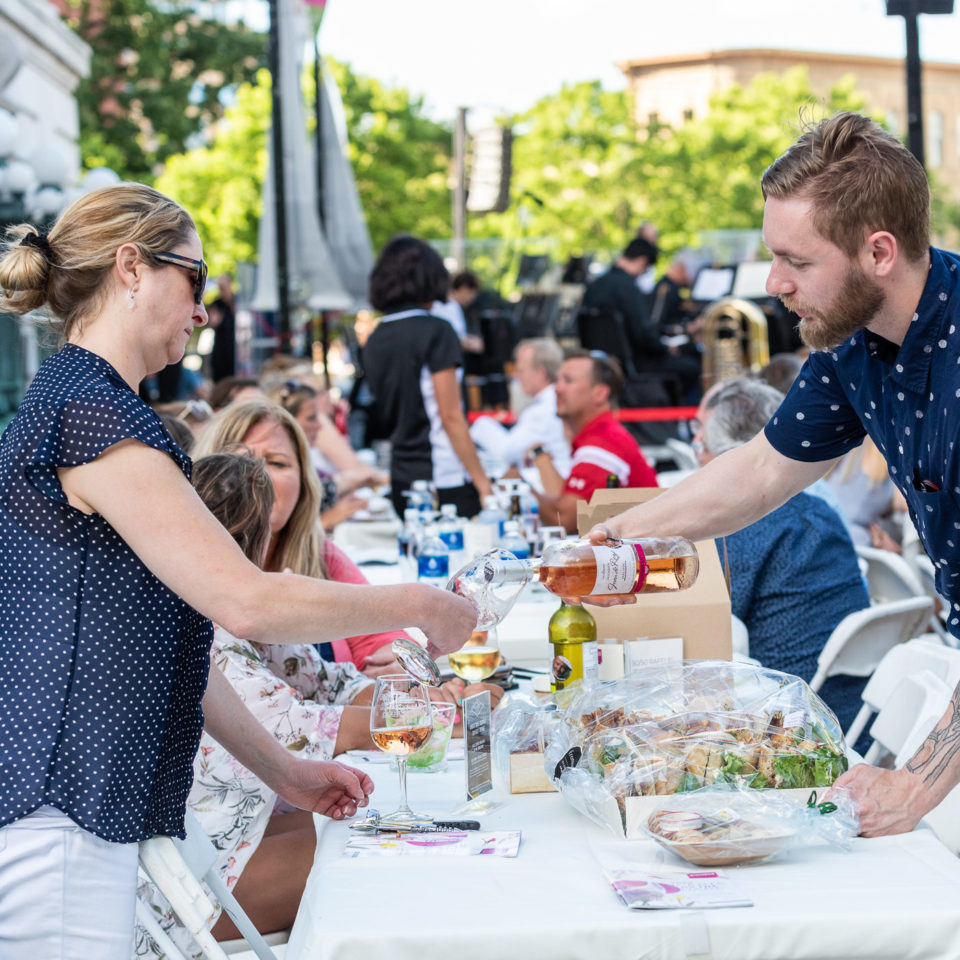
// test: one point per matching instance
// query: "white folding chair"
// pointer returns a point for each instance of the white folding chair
(891, 577)
(923, 653)
(176, 867)
(922, 566)
(914, 706)
(860, 640)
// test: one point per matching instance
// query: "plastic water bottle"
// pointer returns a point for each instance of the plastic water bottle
(514, 541)
(404, 541)
(425, 495)
(529, 515)
(433, 559)
(451, 533)
(490, 519)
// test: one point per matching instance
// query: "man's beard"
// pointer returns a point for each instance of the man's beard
(857, 303)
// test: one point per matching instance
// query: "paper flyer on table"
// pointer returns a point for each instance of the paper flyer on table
(502, 843)
(669, 891)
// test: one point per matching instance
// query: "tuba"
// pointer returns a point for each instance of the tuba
(734, 340)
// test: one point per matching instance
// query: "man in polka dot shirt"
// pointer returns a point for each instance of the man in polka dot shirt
(847, 221)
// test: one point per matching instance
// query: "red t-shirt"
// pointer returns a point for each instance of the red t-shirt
(602, 447)
(356, 649)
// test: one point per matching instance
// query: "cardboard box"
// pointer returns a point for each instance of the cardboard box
(527, 774)
(701, 614)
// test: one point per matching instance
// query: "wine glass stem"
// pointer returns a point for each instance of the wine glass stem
(402, 767)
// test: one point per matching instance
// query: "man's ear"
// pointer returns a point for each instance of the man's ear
(881, 252)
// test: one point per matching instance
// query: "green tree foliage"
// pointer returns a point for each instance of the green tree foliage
(400, 160)
(705, 175)
(221, 184)
(599, 176)
(157, 74)
(570, 151)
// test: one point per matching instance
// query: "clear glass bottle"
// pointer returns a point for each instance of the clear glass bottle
(578, 570)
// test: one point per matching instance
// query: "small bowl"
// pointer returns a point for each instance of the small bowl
(725, 853)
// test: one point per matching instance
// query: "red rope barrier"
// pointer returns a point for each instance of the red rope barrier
(628, 415)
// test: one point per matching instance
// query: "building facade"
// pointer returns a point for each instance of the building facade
(41, 62)
(673, 89)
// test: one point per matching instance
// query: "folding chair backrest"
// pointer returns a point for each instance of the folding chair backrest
(889, 577)
(909, 714)
(860, 641)
(176, 867)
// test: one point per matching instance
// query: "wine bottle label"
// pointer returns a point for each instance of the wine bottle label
(620, 569)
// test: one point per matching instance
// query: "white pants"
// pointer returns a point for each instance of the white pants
(64, 893)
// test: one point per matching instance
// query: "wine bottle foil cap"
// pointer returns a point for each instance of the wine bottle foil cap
(416, 661)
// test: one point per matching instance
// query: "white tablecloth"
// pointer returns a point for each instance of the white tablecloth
(885, 899)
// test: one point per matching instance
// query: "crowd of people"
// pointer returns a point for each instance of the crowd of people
(140, 546)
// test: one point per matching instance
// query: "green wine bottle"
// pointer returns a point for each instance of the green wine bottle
(573, 633)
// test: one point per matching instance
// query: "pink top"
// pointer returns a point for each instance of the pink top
(356, 649)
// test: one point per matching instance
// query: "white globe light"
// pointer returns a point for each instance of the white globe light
(19, 178)
(9, 132)
(99, 177)
(46, 202)
(50, 165)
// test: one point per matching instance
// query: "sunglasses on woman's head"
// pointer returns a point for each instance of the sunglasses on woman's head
(199, 268)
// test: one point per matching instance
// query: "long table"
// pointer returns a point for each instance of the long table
(885, 899)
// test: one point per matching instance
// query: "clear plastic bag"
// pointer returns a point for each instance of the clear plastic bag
(522, 724)
(677, 727)
(724, 824)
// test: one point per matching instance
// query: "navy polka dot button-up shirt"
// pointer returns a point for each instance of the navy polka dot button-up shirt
(102, 668)
(908, 400)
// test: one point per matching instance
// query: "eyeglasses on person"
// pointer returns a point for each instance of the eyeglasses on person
(199, 267)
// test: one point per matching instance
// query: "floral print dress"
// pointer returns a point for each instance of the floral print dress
(299, 698)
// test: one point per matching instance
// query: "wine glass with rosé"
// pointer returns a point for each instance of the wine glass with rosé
(401, 723)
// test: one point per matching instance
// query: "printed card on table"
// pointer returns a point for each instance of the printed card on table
(501, 843)
(699, 889)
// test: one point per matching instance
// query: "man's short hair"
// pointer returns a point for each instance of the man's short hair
(408, 272)
(739, 411)
(467, 279)
(603, 369)
(640, 247)
(545, 353)
(859, 178)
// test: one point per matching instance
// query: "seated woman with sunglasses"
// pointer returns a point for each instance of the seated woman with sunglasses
(111, 569)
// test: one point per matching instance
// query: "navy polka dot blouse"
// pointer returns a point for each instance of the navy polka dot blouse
(101, 666)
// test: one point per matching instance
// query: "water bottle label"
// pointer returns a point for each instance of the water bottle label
(521, 554)
(453, 539)
(620, 569)
(433, 567)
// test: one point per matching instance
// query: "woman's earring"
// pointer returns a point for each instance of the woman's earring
(131, 296)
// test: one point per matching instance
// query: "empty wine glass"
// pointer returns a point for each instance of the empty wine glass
(401, 722)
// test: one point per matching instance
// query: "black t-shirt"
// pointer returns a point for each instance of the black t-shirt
(400, 358)
(617, 291)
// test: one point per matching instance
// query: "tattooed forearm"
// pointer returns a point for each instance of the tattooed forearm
(940, 749)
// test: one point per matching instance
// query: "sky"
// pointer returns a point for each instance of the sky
(503, 55)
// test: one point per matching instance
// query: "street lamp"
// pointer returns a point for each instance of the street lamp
(910, 10)
(30, 190)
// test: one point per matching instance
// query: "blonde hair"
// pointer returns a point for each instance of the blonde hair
(299, 545)
(68, 272)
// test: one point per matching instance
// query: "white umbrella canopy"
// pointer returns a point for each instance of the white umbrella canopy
(343, 220)
(313, 279)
